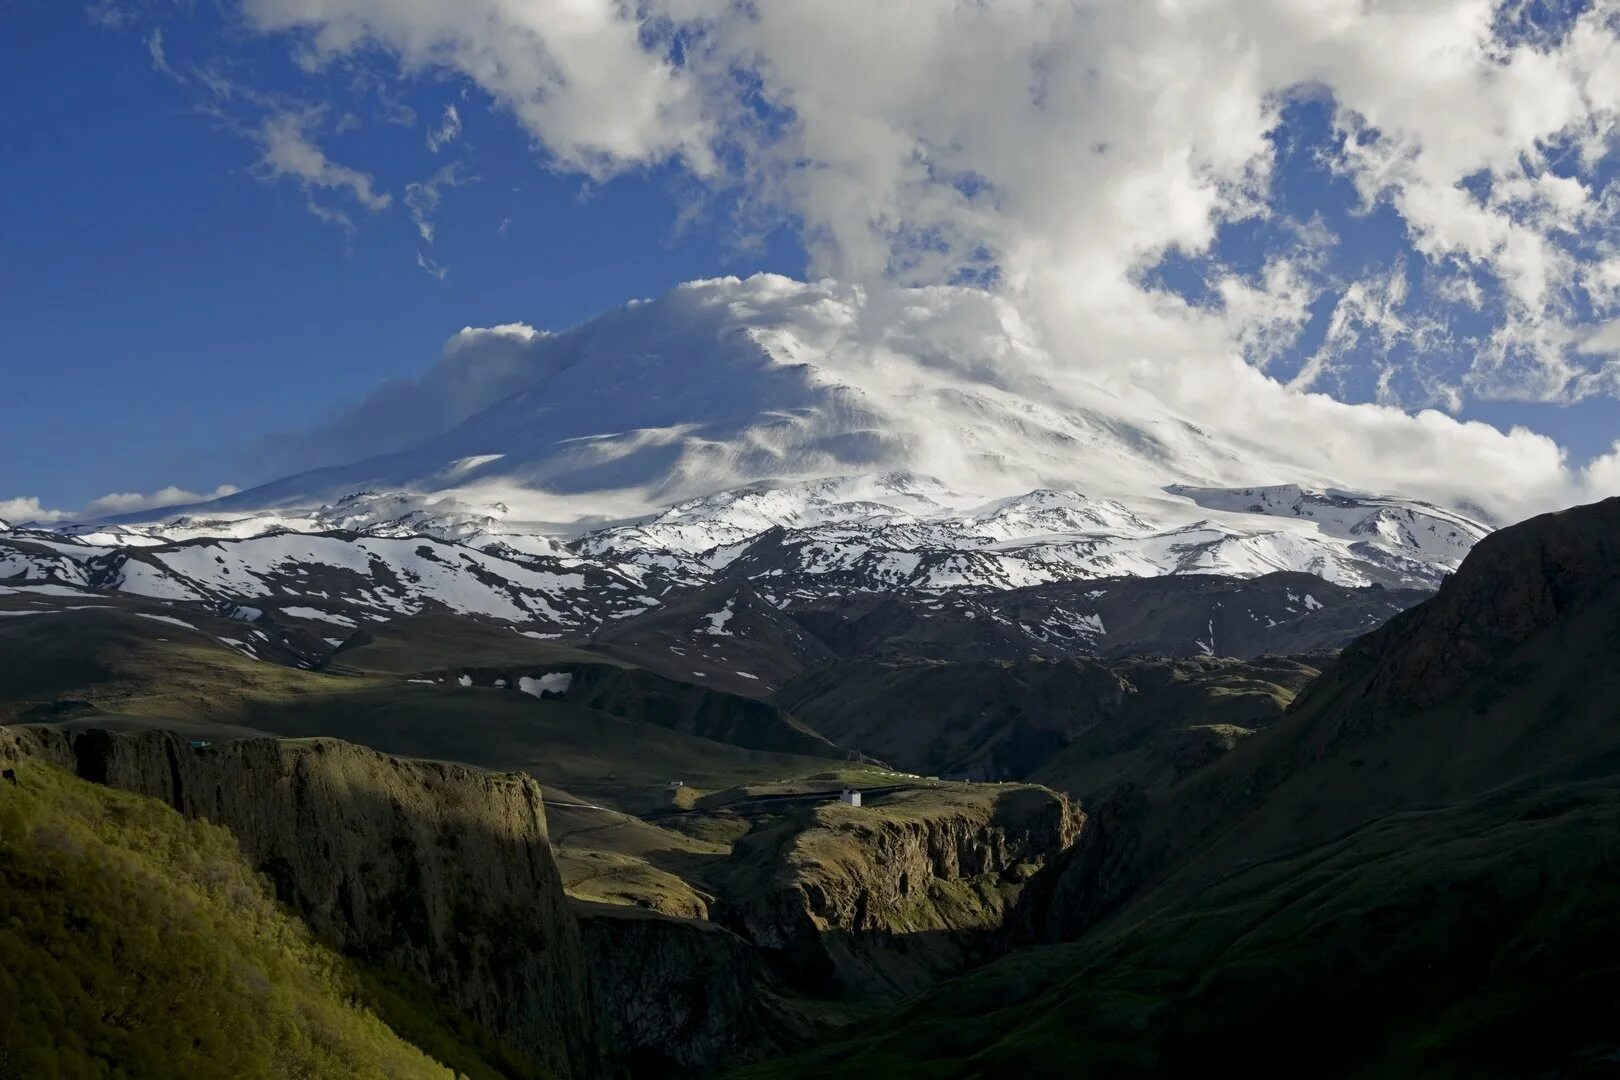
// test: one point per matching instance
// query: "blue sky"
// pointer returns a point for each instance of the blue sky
(163, 307)
(171, 296)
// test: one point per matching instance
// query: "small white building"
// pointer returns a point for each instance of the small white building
(850, 796)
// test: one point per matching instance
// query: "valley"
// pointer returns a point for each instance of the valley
(1027, 823)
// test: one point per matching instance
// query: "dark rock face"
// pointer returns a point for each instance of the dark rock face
(1514, 584)
(442, 871)
(678, 994)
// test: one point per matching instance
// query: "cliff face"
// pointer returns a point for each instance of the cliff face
(678, 993)
(442, 871)
(886, 899)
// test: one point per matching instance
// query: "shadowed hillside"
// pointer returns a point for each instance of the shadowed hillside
(1408, 875)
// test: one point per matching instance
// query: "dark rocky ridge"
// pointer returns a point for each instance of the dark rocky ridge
(441, 871)
(1514, 584)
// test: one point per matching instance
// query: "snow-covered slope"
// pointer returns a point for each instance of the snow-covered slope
(809, 439)
(721, 384)
(900, 531)
(1418, 529)
(341, 580)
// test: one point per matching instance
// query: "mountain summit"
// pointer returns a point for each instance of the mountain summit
(724, 383)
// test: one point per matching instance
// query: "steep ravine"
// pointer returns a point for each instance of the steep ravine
(441, 871)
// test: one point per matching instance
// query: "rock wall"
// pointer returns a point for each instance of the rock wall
(886, 899)
(679, 994)
(442, 871)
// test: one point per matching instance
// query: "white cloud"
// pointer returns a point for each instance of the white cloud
(575, 73)
(28, 508)
(430, 268)
(290, 153)
(1066, 148)
(422, 197)
(160, 59)
(448, 131)
(127, 502)
(1605, 340)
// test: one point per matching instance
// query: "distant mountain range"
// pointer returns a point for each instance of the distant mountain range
(793, 452)
(896, 562)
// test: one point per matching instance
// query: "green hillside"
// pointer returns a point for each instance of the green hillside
(134, 942)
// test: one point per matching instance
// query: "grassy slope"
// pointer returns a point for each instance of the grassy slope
(421, 643)
(1180, 716)
(136, 941)
(114, 668)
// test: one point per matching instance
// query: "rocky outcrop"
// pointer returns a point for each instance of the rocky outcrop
(678, 994)
(441, 871)
(886, 899)
(1514, 584)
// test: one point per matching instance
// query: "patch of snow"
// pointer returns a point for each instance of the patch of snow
(717, 621)
(170, 619)
(317, 615)
(557, 682)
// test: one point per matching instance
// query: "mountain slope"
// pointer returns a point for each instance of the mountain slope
(810, 399)
(725, 382)
(1425, 844)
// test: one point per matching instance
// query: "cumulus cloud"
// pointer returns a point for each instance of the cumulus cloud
(26, 509)
(29, 509)
(1056, 153)
(579, 75)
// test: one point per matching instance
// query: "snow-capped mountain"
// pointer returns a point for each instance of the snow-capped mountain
(366, 513)
(899, 531)
(726, 383)
(331, 584)
(804, 443)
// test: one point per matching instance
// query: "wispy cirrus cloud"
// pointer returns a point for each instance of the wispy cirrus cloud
(290, 153)
(448, 131)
